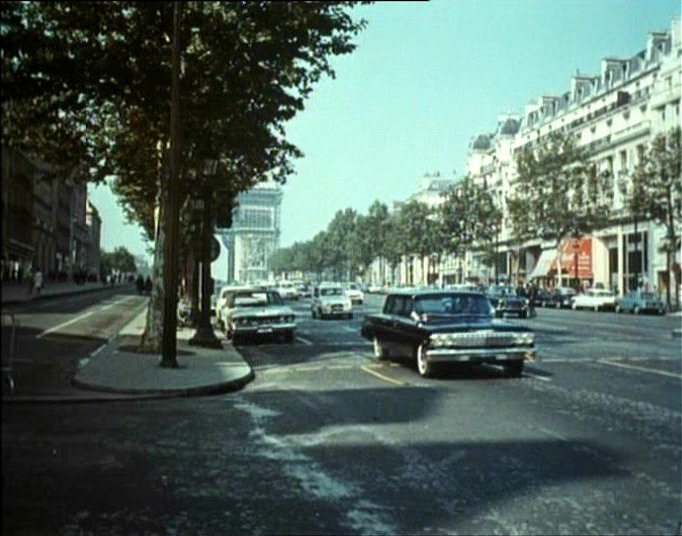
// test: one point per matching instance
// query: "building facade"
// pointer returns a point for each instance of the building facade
(612, 114)
(254, 235)
(43, 221)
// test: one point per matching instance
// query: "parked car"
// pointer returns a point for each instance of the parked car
(330, 300)
(221, 301)
(442, 326)
(256, 313)
(640, 302)
(506, 301)
(596, 299)
(287, 290)
(353, 291)
(561, 297)
(304, 291)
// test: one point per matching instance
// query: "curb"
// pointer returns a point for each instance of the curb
(130, 395)
(58, 295)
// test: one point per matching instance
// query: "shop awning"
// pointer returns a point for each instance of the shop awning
(544, 264)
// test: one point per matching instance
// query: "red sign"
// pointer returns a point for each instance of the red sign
(581, 247)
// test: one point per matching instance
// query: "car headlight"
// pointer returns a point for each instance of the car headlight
(525, 337)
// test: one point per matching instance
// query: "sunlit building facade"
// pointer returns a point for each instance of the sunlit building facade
(612, 114)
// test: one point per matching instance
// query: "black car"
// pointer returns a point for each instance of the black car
(505, 300)
(561, 298)
(436, 326)
(540, 298)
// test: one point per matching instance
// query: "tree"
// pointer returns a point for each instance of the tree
(415, 219)
(120, 260)
(562, 193)
(340, 233)
(456, 218)
(656, 194)
(99, 73)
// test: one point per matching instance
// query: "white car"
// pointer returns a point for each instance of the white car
(221, 301)
(330, 300)
(288, 290)
(255, 313)
(355, 294)
(596, 299)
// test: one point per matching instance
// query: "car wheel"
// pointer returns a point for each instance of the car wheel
(661, 311)
(314, 313)
(380, 352)
(513, 369)
(425, 368)
(636, 310)
(349, 316)
(289, 337)
(236, 339)
(523, 314)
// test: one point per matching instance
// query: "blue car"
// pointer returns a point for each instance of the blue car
(640, 302)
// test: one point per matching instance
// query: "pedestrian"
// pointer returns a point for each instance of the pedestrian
(37, 280)
(532, 297)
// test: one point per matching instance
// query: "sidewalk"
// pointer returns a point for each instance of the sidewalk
(16, 293)
(115, 371)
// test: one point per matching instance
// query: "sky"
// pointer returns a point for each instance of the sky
(425, 78)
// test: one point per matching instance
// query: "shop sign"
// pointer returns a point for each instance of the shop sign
(583, 248)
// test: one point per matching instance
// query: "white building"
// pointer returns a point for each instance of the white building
(612, 114)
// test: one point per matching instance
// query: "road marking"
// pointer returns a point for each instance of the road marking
(535, 376)
(349, 329)
(381, 376)
(642, 369)
(117, 302)
(304, 341)
(550, 433)
(64, 324)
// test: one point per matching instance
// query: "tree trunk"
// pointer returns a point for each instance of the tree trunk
(151, 337)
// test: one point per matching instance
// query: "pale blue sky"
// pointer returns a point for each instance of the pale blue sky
(424, 80)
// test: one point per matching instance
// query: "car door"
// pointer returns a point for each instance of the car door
(381, 322)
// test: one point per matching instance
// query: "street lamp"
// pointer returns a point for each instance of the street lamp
(204, 336)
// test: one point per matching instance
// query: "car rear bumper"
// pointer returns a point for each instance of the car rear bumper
(479, 355)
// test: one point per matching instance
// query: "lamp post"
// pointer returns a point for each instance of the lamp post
(204, 335)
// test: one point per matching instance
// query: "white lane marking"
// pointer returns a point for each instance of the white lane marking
(349, 329)
(381, 376)
(62, 325)
(117, 302)
(550, 433)
(304, 341)
(535, 376)
(641, 369)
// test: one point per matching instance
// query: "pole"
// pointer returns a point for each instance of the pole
(204, 335)
(636, 286)
(497, 239)
(170, 297)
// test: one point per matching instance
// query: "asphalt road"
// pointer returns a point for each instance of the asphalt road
(327, 440)
(54, 334)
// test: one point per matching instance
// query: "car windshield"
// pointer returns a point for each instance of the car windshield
(256, 299)
(503, 291)
(453, 304)
(331, 292)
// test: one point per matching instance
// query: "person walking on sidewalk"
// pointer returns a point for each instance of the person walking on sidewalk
(37, 281)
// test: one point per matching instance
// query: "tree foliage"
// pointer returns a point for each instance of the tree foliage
(655, 192)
